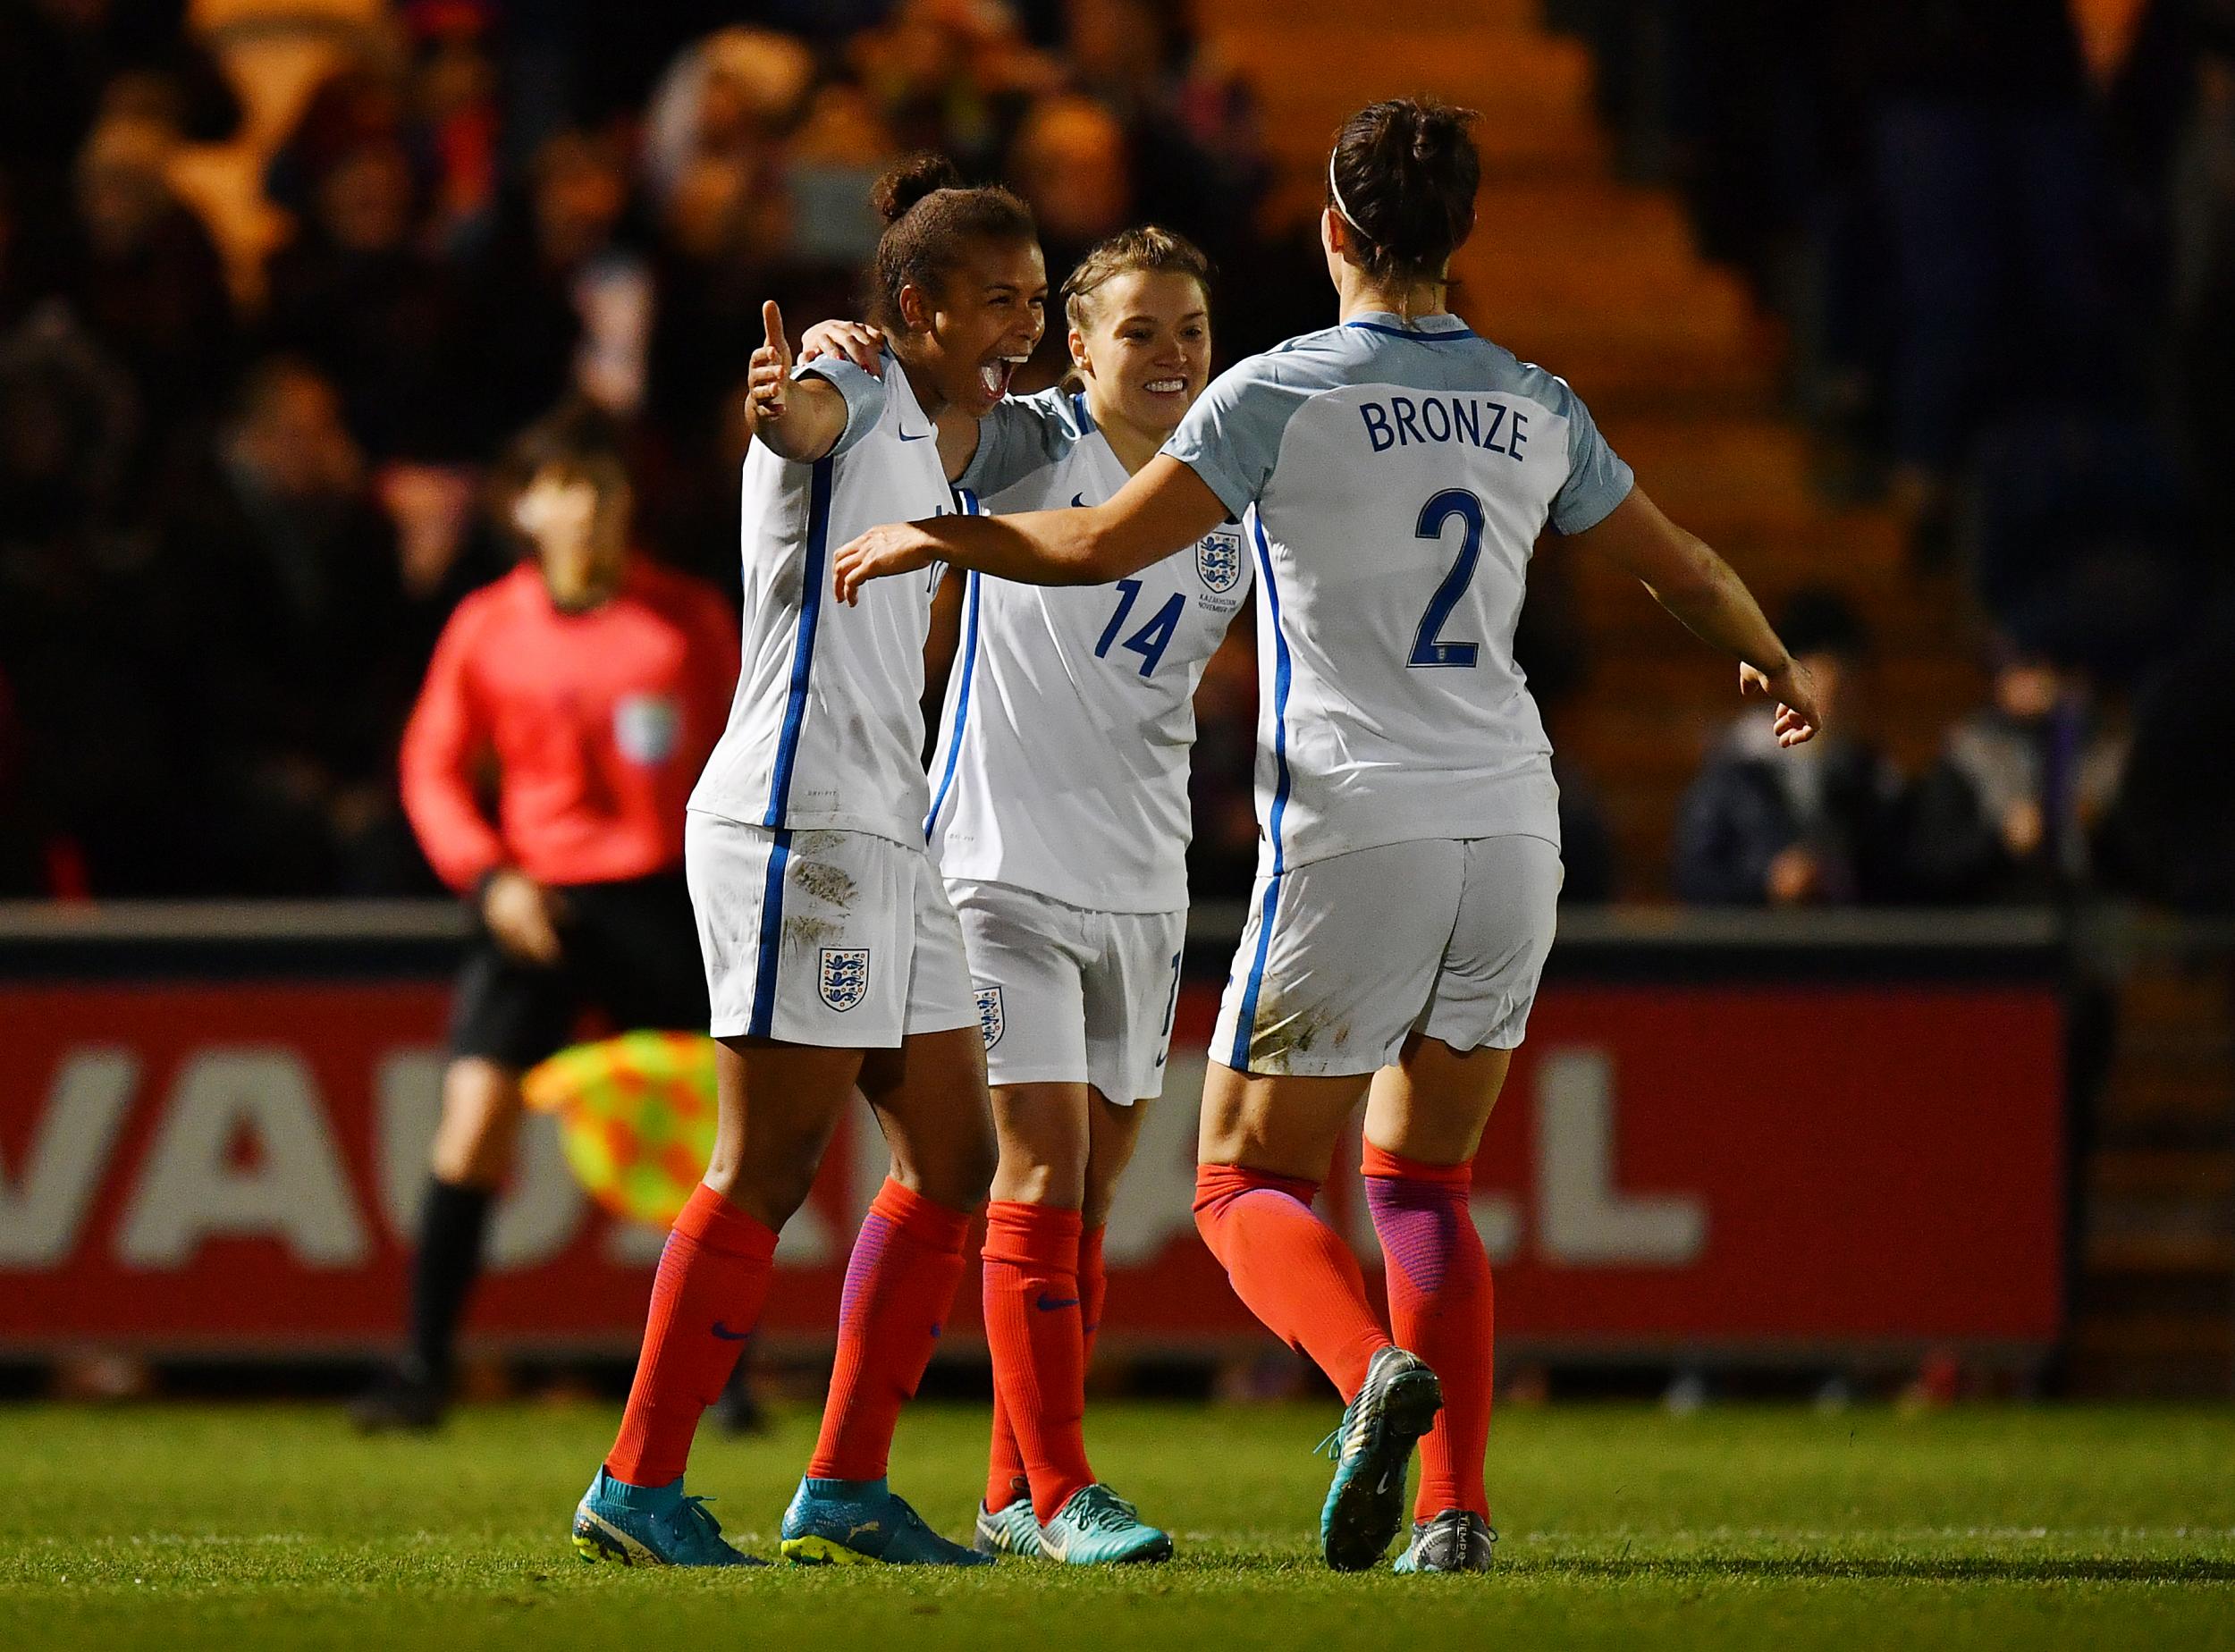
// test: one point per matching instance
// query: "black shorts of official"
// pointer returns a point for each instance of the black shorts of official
(628, 952)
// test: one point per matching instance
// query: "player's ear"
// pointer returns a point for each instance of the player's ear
(1075, 342)
(1333, 241)
(916, 308)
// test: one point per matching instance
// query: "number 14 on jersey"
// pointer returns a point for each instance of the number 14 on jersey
(1151, 640)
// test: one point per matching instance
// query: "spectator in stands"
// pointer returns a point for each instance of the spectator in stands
(65, 65)
(1072, 165)
(2175, 817)
(1817, 825)
(1191, 124)
(1993, 187)
(355, 294)
(148, 281)
(596, 685)
(98, 672)
(278, 572)
(557, 303)
(2009, 811)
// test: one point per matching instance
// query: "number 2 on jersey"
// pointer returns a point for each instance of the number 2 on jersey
(1151, 640)
(1427, 648)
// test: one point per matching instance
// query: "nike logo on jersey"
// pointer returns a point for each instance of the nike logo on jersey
(1049, 1304)
(921, 436)
(1078, 502)
(727, 1335)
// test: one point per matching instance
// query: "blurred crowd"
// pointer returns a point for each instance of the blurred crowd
(2002, 236)
(281, 279)
(251, 439)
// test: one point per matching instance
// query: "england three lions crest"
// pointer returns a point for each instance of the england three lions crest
(1218, 559)
(845, 981)
(990, 1015)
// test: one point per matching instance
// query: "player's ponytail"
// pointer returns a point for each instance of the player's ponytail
(1404, 177)
(929, 212)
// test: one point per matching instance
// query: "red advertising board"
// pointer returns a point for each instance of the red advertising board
(233, 1166)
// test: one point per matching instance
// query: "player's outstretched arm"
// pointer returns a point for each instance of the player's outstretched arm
(1164, 507)
(1702, 590)
(799, 419)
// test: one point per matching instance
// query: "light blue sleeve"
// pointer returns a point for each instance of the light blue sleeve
(1231, 437)
(1022, 435)
(864, 394)
(1597, 479)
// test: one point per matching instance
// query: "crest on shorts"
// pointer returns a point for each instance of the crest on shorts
(845, 977)
(990, 1015)
(1218, 559)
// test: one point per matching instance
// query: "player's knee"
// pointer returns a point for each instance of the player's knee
(959, 1172)
(770, 1186)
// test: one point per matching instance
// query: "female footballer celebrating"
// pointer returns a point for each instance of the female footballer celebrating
(833, 958)
(1059, 820)
(1393, 472)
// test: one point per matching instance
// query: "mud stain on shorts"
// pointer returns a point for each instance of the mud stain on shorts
(826, 882)
(1280, 1035)
(808, 933)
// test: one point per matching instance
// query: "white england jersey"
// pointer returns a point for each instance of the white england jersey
(1394, 478)
(826, 728)
(1061, 766)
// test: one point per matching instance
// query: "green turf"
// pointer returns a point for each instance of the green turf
(184, 1528)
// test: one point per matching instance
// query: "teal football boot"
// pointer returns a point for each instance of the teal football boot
(649, 1526)
(1372, 1449)
(1010, 1530)
(1096, 1527)
(834, 1523)
(1456, 1540)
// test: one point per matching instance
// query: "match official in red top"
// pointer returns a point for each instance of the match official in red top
(589, 685)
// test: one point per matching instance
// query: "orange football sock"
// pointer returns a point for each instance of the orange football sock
(1032, 1326)
(705, 1300)
(1290, 1268)
(1093, 1288)
(899, 1283)
(1006, 1478)
(1441, 1307)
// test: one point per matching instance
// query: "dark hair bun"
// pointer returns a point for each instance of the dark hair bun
(910, 181)
(1407, 170)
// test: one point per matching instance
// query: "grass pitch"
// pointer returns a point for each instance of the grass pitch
(268, 1526)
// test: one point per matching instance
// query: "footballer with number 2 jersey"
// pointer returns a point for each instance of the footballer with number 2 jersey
(1393, 473)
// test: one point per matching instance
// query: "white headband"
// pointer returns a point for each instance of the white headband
(1332, 188)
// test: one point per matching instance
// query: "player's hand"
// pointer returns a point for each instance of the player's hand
(860, 342)
(768, 377)
(895, 548)
(1793, 689)
(522, 917)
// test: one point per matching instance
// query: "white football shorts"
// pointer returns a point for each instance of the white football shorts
(840, 938)
(1343, 958)
(1070, 996)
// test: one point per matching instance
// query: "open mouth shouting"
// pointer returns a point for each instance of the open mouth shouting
(995, 373)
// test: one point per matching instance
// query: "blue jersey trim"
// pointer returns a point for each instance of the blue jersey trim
(1412, 333)
(1245, 1023)
(771, 932)
(968, 502)
(1079, 412)
(803, 651)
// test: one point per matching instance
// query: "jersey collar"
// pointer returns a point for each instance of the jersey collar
(1441, 326)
